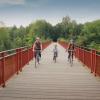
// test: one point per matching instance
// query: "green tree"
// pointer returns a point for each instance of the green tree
(5, 42)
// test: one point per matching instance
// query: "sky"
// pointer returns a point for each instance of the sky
(23, 12)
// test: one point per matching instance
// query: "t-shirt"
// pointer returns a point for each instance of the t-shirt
(37, 46)
(71, 47)
(55, 50)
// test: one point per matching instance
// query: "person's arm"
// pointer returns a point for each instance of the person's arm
(34, 46)
(68, 46)
(41, 46)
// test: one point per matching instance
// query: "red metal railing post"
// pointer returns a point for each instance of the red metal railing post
(91, 61)
(20, 54)
(17, 60)
(75, 53)
(83, 57)
(3, 69)
(27, 55)
(95, 67)
(32, 53)
(78, 53)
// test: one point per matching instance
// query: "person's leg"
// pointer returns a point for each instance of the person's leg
(68, 55)
(53, 55)
(35, 54)
(40, 54)
(72, 55)
(57, 54)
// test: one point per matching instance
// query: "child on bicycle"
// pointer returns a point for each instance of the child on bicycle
(55, 51)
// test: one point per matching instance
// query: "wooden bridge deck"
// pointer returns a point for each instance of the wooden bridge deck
(52, 81)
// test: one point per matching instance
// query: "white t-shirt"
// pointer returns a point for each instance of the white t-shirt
(55, 50)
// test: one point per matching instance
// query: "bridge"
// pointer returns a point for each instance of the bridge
(49, 81)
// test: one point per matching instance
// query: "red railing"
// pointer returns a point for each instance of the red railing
(97, 64)
(44, 45)
(12, 61)
(88, 57)
(64, 44)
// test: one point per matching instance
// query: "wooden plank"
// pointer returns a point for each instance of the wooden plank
(53, 81)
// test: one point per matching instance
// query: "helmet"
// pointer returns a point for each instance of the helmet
(71, 41)
(37, 38)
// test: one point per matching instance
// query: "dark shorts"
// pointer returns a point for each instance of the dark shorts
(55, 54)
(70, 53)
(37, 51)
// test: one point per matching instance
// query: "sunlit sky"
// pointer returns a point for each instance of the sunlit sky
(23, 12)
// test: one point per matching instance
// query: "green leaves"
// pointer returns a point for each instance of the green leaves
(87, 34)
(40, 28)
(4, 39)
(90, 35)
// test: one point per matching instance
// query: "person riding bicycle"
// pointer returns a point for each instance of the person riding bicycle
(37, 46)
(70, 48)
(55, 51)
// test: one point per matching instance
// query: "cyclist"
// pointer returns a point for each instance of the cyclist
(55, 51)
(70, 48)
(37, 47)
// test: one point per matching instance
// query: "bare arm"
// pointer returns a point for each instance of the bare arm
(34, 46)
(41, 46)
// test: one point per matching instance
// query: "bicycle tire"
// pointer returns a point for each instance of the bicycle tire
(55, 59)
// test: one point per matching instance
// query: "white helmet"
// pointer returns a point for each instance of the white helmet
(71, 41)
(37, 38)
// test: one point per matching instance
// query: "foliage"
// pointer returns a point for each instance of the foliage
(90, 35)
(87, 34)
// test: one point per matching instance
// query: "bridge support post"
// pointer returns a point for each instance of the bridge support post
(93, 62)
(95, 66)
(79, 54)
(17, 60)
(20, 59)
(27, 55)
(3, 69)
(83, 57)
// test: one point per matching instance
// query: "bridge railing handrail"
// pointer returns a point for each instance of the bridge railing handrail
(11, 63)
(89, 57)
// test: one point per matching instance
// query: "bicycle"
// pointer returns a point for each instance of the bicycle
(70, 58)
(55, 56)
(37, 57)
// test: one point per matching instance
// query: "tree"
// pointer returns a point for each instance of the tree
(5, 42)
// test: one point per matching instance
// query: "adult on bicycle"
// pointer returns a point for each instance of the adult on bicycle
(37, 47)
(70, 49)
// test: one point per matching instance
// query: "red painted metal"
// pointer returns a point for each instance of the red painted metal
(97, 65)
(14, 62)
(64, 44)
(3, 68)
(88, 57)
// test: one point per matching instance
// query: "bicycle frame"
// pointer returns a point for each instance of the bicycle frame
(71, 57)
(37, 57)
(55, 56)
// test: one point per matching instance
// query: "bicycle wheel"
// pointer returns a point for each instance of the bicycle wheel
(55, 59)
(35, 62)
(71, 61)
(55, 56)
(38, 58)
